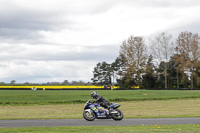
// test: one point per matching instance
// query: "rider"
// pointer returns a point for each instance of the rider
(99, 99)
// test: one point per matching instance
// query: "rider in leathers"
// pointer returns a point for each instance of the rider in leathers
(99, 99)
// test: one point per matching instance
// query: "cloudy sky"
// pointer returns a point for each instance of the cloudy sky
(57, 40)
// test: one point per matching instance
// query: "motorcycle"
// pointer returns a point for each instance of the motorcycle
(94, 111)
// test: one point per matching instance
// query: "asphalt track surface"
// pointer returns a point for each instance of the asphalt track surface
(98, 122)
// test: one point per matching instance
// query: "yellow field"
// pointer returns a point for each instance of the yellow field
(59, 87)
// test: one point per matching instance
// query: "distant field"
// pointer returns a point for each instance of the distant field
(50, 97)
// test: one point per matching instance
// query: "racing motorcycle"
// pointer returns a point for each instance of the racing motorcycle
(94, 111)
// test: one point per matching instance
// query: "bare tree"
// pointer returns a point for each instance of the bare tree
(133, 53)
(162, 48)
(188, 46)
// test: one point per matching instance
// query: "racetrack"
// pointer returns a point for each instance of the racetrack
(102, 122)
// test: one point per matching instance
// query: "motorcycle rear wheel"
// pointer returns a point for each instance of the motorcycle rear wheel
(118, 116)
(89, 116)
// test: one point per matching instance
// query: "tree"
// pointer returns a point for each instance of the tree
(12, 82)
(198, 74)
(118, 69)
(2, 83)
(27, 83)
(78, 82)
(102, 74)
(65, 82)
(149, 78)
(188, 47)
(162, 48)
(133, 53)
(173, 71)
(179, 68)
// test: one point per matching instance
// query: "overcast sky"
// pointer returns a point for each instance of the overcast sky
(57, 40)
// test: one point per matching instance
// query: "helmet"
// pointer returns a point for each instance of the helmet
(94, 94)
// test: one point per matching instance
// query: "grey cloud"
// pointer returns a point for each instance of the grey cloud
(99, 53)
(193, 26)
(25, 24)
(23, 29)
(45, 71)
(20, 23)
(20, 35)
(65, 53)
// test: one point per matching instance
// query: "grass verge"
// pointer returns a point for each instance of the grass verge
(191, 128)
(131, 109)
(53, 97)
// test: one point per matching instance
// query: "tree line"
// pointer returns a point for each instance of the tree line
(65, 82)
(163, 62)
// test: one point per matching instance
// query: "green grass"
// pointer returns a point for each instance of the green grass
(131, 109)
(191, 128)
(28, 97)
(21, 104)
(68, 104)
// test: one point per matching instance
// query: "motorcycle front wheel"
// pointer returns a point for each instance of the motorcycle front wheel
(117, 116)
(89, 115)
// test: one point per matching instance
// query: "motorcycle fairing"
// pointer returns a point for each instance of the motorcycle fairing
(114, 105)
(99, 110)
